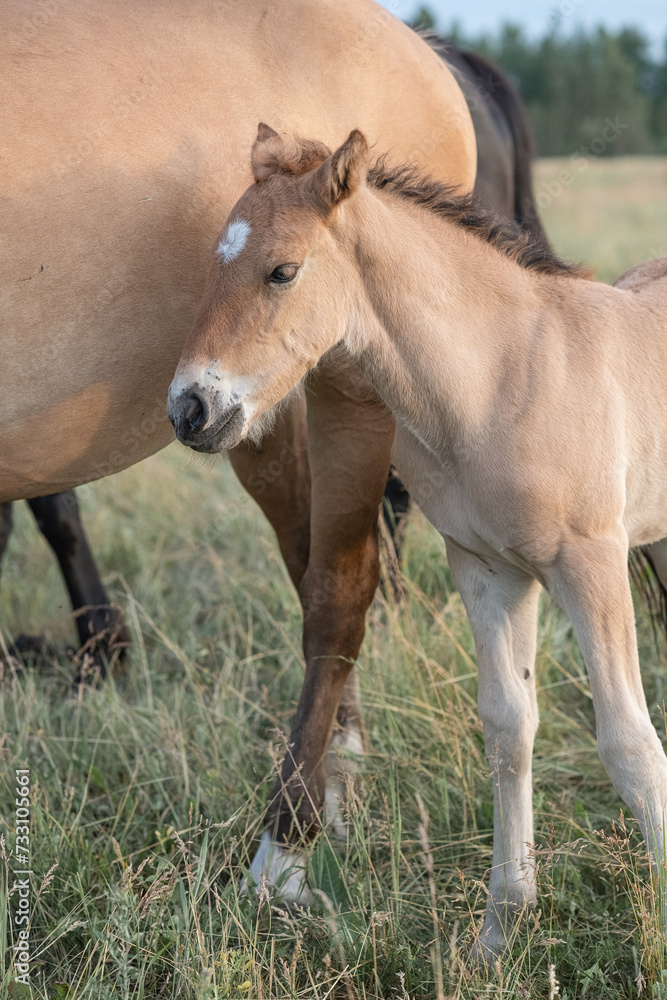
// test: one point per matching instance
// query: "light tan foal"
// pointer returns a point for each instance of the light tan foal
(520, 392)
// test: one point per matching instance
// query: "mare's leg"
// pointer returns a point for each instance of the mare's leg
(5, 526)
(102, 631)
(501, 602)
(590, 581)
(350, 437)
(277, 477)
(328, 536)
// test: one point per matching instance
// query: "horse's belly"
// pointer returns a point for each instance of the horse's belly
(645, 510)
(646, 520)
(439, 495)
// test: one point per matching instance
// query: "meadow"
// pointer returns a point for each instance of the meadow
(148, 792)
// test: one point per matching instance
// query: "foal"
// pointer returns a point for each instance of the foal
(520, 393)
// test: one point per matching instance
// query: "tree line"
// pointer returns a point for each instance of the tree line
(590, 91)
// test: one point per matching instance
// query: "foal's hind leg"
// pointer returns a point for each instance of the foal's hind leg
(102, 631)
(501, 602)
(590, 582)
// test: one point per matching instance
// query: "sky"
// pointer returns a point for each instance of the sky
(476, 16)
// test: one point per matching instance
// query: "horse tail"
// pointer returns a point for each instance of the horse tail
(648, 584)
(502, 91)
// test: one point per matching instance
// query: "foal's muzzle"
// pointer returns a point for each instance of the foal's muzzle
(204, 422)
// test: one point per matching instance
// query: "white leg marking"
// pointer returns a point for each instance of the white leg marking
(284, 871)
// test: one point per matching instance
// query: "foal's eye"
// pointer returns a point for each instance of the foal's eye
(284, 273)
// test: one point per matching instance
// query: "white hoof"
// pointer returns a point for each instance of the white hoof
(346, 745)
(282, 872)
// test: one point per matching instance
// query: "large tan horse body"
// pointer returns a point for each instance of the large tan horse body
(523, 431)
(126, 128)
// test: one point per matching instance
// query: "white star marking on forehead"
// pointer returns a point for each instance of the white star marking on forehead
(234, 240)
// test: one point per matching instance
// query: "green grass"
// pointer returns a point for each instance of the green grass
(148, 793)
(611, 212)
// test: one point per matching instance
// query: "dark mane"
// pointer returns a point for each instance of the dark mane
(527, 249)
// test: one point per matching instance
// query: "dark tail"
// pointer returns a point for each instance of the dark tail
(503, 92)
(394, 508)
(651, 588)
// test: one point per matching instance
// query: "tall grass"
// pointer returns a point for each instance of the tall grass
(149, 792)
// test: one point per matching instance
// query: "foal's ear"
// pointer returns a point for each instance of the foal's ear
(266, 152)
(343, 172)
(271, 154)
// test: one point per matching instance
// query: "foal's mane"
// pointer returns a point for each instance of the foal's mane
(527, 249)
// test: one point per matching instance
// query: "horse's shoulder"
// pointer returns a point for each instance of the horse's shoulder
(642, 274)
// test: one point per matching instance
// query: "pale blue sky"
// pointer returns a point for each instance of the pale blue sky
(485, 15)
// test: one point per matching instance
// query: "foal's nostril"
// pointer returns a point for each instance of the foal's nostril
(195, 411)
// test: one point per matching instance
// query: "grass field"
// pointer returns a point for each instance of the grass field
(148, 793)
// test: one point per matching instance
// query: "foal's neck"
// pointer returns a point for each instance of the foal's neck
(444, 318)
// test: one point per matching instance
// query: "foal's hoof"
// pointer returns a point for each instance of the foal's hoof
(280, 872)
(484, 954)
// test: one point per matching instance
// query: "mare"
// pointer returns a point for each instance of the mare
(503, 182)
(531, 428)
(126, 136)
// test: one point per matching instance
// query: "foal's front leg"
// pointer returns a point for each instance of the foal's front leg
(590, 582)
(501, 602)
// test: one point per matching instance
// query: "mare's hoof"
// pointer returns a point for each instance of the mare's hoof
(483, 954)
(103, 650)
(91, 673)
(32, 647)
